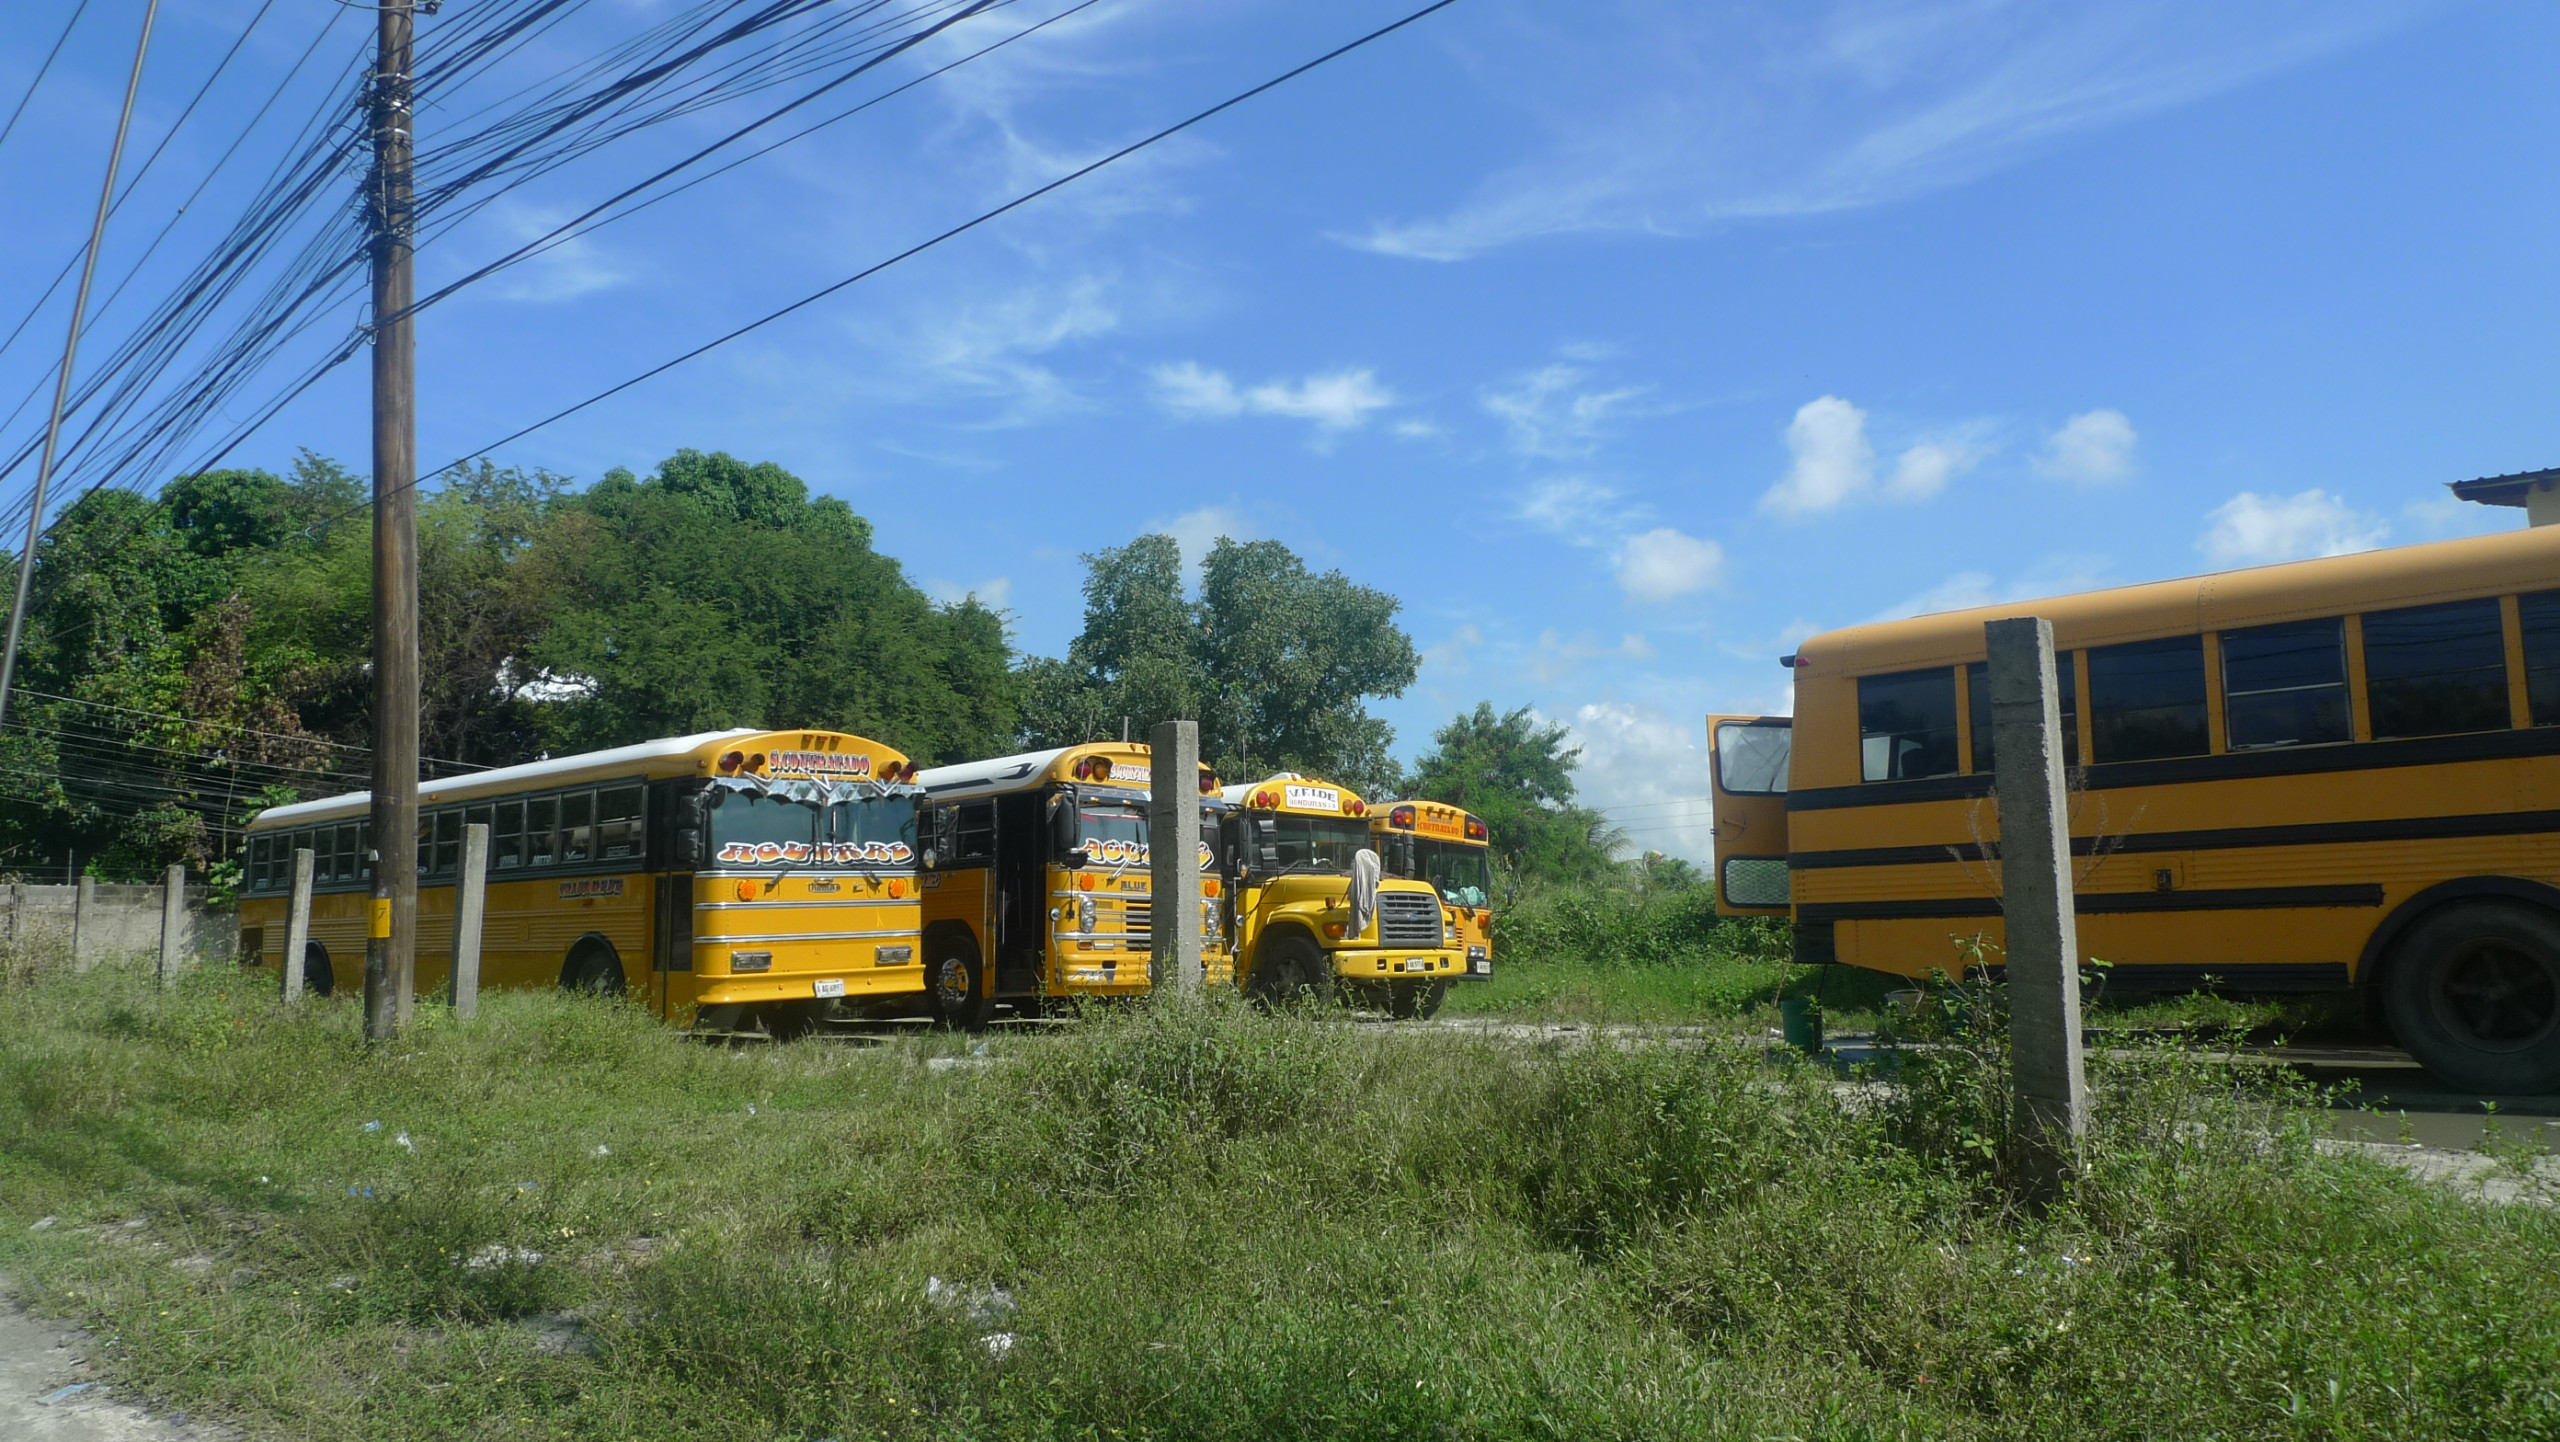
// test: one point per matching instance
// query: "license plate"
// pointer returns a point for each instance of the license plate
(833, 986)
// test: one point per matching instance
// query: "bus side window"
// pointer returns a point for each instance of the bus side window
(426, 841)
(2541, 613)
(618, 823)
(973, 832)
(1907, 725)
(448, 843)
(2436, 670)
(577, 827)
(346, 860)
(364, 851)
(2146, 700)
(257, 863)
(1977, 685)
(506, 837)
(2286, 684)
(541, 820)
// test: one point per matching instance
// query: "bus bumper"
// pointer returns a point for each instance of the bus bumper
(804, 986)
(1399, 965)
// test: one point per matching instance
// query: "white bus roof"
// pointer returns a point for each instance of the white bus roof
(500, 779)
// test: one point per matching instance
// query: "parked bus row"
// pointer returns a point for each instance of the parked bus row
(2338, 775)
(773, 878)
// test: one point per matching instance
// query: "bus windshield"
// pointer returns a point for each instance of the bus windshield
(1463, 874)
(889, 819)
(1121, 821)
(772, 830)
(742, 818)
(1313, 844)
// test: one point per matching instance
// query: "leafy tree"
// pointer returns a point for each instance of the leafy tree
(1275, 662)
(1518, 776)
(718, 593)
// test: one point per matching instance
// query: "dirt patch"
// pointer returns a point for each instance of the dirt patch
(51, 1392)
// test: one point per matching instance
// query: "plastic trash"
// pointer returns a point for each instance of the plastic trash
(405, 1143)
(44, 1224)
(603, 1151)
(373, 1126)
(60, 1394)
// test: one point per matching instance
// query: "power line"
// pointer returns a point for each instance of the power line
(42, 70)
(70, 350)
(963, 228)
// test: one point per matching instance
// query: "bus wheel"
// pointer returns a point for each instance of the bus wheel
(955, 982)
(1289, 971)
(317, 978)
(1417, 1003)
(593, 969)
(2474, 994)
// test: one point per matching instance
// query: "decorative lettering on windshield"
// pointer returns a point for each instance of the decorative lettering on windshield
(824, 853)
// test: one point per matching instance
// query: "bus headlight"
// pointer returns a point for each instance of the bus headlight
(751, 961)
(1084, 914)
(898, 955)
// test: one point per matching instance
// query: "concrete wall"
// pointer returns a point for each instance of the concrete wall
(121, 920)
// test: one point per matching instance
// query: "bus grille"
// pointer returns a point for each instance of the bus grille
(1138, 923)
(1408, 918)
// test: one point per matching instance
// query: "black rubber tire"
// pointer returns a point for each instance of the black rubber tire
(317, 977)
(594, 969)
(1422, 1003)
(2474, 994)
(1289, 970)
(955, 982)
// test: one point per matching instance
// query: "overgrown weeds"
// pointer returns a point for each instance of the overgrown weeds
(1208, 1223)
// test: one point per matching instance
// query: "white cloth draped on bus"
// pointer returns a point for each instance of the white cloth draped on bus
(1365, 872)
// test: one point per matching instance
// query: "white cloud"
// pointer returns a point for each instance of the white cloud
(1189, 391)
(1552, 415)
(1647, 772)
(1578, 509)
(1419, 430)
(993, 593)
(1340, 401)
(1663, 564)
(564, 271)
(996, 347)
(1455, 654)
(1196, 531)
(1833, 459)
(1667, 119)
(2092, 448)
(2054, 576)
(2252, 530)
(1924, 470)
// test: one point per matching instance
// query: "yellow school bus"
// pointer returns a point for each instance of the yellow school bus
(1291, 845)
(729, 878)
(1040, 862)
(2313, 776)
(1449, 847)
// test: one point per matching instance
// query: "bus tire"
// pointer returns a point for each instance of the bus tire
(1289, 970)
(318, 979)
(1419, 1002)
(594, 968)
(2474, 994)
(955, 981)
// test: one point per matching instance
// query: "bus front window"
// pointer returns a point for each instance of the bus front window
(1463, 874)
(743, 824)
(1313, 845)
(889, 820)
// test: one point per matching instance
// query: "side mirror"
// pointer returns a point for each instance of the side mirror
(692, 826)
(1066, 827)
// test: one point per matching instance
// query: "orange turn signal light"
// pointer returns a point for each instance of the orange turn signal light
(1085, 881)
(897, 888)
(746, 891)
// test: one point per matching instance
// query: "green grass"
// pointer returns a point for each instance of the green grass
(1209, 1224)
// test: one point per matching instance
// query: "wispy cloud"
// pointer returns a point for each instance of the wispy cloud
(1336, 401)
(2054, 576)
(1832, 462)
(1660, 117)
(1647, 772)
(2254, 530)
(1663, 565)
(1553, 414)
(2092, 448)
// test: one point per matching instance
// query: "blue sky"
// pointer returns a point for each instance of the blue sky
(1628, 341)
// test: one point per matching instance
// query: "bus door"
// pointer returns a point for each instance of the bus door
(671, 941)
(1748, 771)
(1022, 891)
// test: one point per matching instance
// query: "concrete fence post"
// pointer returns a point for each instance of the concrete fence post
(173, 922)
(84, 904)
(2049, 1089)
(297, 925)
(470, 902)
(1173, 849)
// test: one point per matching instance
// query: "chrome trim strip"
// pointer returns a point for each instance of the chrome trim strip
(768, 938)
(813, 902)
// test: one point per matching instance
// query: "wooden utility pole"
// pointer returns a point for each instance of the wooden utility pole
(1173, 854)
(391, 944)
(2049, 1091)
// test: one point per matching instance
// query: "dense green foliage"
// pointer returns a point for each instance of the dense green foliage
(194, 656)
(1518, 776)
(1274, 661)
(1193, 1222)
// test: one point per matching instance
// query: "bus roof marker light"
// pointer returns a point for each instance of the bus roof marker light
(730, 761)
(1401, 818)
